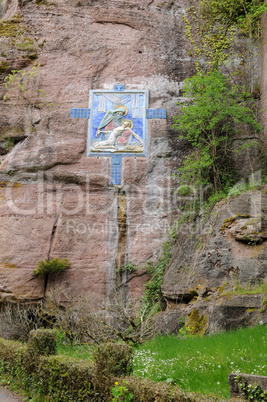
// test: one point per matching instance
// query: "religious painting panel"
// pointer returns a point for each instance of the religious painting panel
(117, 123)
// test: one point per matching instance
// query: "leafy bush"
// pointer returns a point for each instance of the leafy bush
(121, 392)
(111, 360)
(51, 267)
(145, 390)
(12, 352)
(12, 362)
(209, 118)
(64, 379)
(114, 358)
(41, 342)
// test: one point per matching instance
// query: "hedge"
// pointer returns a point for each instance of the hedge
(64, 378)
(12, 355)
(42, 342)
(145, 390)
(111, 360)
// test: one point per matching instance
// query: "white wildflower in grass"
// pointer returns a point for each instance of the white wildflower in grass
(203, 364)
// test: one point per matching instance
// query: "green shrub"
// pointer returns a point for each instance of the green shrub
(111, 361)
(51, 267)
(41, 342)
(121, 392)
(114, 358)
(63, 378)
(145, 390)
(212, 113)
(12, 353)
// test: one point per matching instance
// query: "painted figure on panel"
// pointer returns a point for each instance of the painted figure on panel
(112, 119)
(117, 122)
(119, 138)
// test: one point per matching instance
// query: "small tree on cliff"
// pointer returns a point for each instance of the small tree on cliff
(211, 114)
(46, 267)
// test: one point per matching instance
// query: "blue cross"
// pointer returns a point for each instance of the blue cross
(116, 160)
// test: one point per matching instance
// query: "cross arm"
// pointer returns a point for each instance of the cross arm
(80, 113)
(156, 113)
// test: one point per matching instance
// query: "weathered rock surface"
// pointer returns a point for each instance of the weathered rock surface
(248, 379)
(55, 201)
(214, 259)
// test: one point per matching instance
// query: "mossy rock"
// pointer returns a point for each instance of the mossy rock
(4, 66)
(11, 28)
(196, 324)
(229, 221)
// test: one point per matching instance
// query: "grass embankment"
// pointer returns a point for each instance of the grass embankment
(203, 364)
(196, 364)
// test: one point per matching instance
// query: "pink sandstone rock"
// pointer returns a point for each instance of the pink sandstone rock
(57, 202)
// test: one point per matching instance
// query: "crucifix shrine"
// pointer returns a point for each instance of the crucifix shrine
(118, 125)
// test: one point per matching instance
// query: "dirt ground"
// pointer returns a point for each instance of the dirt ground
(7, 396)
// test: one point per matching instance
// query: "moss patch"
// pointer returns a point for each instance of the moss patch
(197, 324)
(4, 66)
(227, 222)
(12, 28)
(15, 30)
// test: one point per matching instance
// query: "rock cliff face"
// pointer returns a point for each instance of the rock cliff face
(214, 257)
(55, 201)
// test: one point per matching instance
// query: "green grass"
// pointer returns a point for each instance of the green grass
(203, 364)
(84, 352)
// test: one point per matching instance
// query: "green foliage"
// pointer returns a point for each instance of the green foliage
(202, 364)
(213, 26)
(4, 66)
(64, 379)
(9, 144)
(128, 267)
(111, 360)
(210, 115)
(22, 87)
(121, 392)
(242, 14)
(114, 358)
(42, 342)
(152, 294)
(51, 267)
(251, 392)
(195, 364)
(12, 353)
(196, 324)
